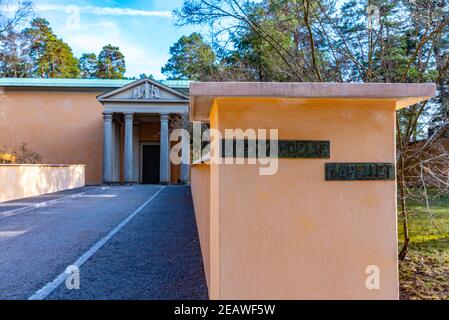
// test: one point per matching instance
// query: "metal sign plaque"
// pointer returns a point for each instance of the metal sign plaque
(287, 149)
(360, 171)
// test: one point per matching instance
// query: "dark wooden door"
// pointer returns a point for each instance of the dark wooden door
(150, 163)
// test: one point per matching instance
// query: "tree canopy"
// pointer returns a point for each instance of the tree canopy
(50, 56)
(36, 51)
(88, 65)
(191, 58)
(324, 40)
(111, 63)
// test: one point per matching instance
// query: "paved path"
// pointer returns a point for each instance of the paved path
(156, 255)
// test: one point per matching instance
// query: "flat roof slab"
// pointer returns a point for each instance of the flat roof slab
(404, 94)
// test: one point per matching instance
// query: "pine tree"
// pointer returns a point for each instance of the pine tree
(111, 63)
(52, 58)
(191, 58)
(88, 65)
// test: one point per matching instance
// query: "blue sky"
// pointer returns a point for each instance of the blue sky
(143, 29)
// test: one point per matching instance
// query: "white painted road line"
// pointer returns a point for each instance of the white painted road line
(42, 293)
(16, 204)
(32, 206)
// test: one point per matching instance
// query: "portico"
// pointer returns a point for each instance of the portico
(137, 122)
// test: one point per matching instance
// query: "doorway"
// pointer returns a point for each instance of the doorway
(151, 163)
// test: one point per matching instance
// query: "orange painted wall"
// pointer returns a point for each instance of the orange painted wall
(63, 127)
(149, 131)
(294, 235)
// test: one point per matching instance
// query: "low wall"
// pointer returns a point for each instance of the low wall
(21, 181)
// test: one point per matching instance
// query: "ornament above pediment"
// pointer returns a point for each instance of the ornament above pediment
(146, 91)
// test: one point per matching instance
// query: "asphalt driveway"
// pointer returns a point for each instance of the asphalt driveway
(136, 242)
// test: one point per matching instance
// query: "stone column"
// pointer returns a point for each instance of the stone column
(136, 155)
(165, 151)
(118, 158)
(185, 165)
(129, 150)
(107, 148)
(114, 152)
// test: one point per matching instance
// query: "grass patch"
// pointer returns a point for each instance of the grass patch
(424, 274)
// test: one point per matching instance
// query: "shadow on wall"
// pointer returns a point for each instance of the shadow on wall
(21, 181)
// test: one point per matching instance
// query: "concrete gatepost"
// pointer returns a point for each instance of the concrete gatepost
(321, 224)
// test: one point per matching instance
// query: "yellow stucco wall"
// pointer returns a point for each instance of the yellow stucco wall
(294, 235)
(21, 181)
(62, 126)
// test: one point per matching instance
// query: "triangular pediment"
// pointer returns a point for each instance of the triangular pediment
(145, 90)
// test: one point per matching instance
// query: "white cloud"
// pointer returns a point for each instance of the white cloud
(138, 61)
(83, 40)
(104, 10)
